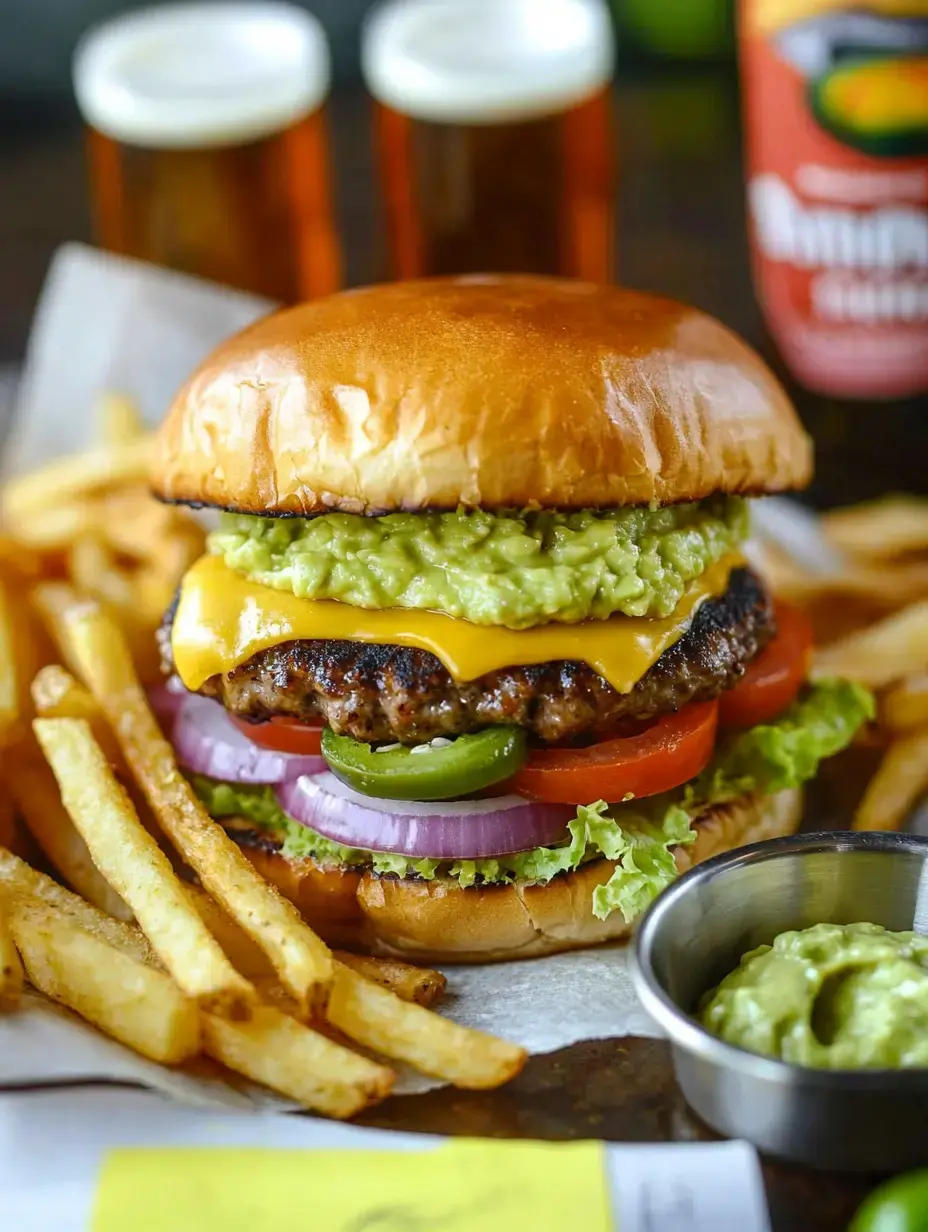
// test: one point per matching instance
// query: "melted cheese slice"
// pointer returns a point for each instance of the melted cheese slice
(223, 619)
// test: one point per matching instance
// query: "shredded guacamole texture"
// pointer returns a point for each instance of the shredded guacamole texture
(638, 835)
(510, 568)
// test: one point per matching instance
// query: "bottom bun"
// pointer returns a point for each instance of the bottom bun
(439, 922)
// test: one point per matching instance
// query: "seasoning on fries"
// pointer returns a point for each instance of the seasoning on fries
(377, 1018)
(302, 961)
(418, 984)
(138, 869)
(132, 1002)
(11, 969)
(20, 879)
(57, 695)
(35, 791)
(288, 1057)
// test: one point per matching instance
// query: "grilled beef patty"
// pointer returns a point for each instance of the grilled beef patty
(393, 693)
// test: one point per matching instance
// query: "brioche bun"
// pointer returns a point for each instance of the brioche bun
(481, 391)
(438, 922)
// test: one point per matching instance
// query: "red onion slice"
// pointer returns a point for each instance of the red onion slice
(449, 830)
(207, 742)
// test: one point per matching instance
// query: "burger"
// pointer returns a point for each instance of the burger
(474, 664)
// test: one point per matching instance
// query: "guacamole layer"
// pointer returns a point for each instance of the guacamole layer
(511, 568)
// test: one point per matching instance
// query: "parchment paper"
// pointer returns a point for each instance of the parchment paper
(106, 323)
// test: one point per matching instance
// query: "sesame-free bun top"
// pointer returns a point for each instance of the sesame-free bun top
(482, 391)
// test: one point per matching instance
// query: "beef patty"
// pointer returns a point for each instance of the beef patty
(393, 693)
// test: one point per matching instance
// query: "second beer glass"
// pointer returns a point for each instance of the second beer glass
(492, 122)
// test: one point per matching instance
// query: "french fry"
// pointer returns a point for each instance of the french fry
(32, 647)
(35, 791)
(126, 999)
(19, 878)
(57, 695)
(901, 779)
(136, 867)
(11, 969)
(18, 561)
(118, 419)
(54, 527)
(879, 529)
(95, 572)
(302, 961)
(296, 1061)
(54, 602)
(239, 948)
(9, 672)
(176, 552)
(906, 705)
(135, 525)
(152, 593)
(881, 654)
(8, 824)
(271, 1047)
(377, 1019)
(74, 477)
(419, 984)
(879, 585)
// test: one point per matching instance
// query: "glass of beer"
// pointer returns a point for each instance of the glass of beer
(207, 143)
(492, 124)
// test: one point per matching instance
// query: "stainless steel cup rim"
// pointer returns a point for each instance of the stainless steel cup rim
(685, 1032)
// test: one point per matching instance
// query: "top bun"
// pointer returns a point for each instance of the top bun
(479, 391)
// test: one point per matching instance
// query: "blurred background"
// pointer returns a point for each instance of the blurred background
(644, 166)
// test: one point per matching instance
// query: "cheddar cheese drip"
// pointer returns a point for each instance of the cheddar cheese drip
(223, 620)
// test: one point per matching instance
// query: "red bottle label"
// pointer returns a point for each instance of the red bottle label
(836, 124)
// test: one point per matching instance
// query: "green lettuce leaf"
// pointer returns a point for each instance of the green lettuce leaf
(775, 756)
(259, 805)
(639, 836)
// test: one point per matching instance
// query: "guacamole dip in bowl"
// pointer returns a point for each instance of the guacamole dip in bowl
(836, 996)
(791, 977)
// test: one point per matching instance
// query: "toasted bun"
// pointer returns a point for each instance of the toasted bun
(438, 922)
(489, 391)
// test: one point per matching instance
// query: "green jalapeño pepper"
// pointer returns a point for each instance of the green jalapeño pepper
(435, 771)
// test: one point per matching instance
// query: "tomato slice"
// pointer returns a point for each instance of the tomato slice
(772, 681)
(283, 735)
(671, 751)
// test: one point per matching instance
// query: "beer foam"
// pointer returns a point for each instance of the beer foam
(486, 61)
(200, 75)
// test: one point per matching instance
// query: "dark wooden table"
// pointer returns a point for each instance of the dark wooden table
(681, 232)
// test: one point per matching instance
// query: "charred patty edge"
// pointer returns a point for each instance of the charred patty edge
(384, 692)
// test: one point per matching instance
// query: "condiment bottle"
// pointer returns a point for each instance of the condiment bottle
(836, 124)
(207, 143)
(492, 124)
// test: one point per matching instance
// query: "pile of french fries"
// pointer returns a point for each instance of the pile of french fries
(871, 624)
(155, 928)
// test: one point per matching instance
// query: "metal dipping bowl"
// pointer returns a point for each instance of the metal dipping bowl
(698, 930)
